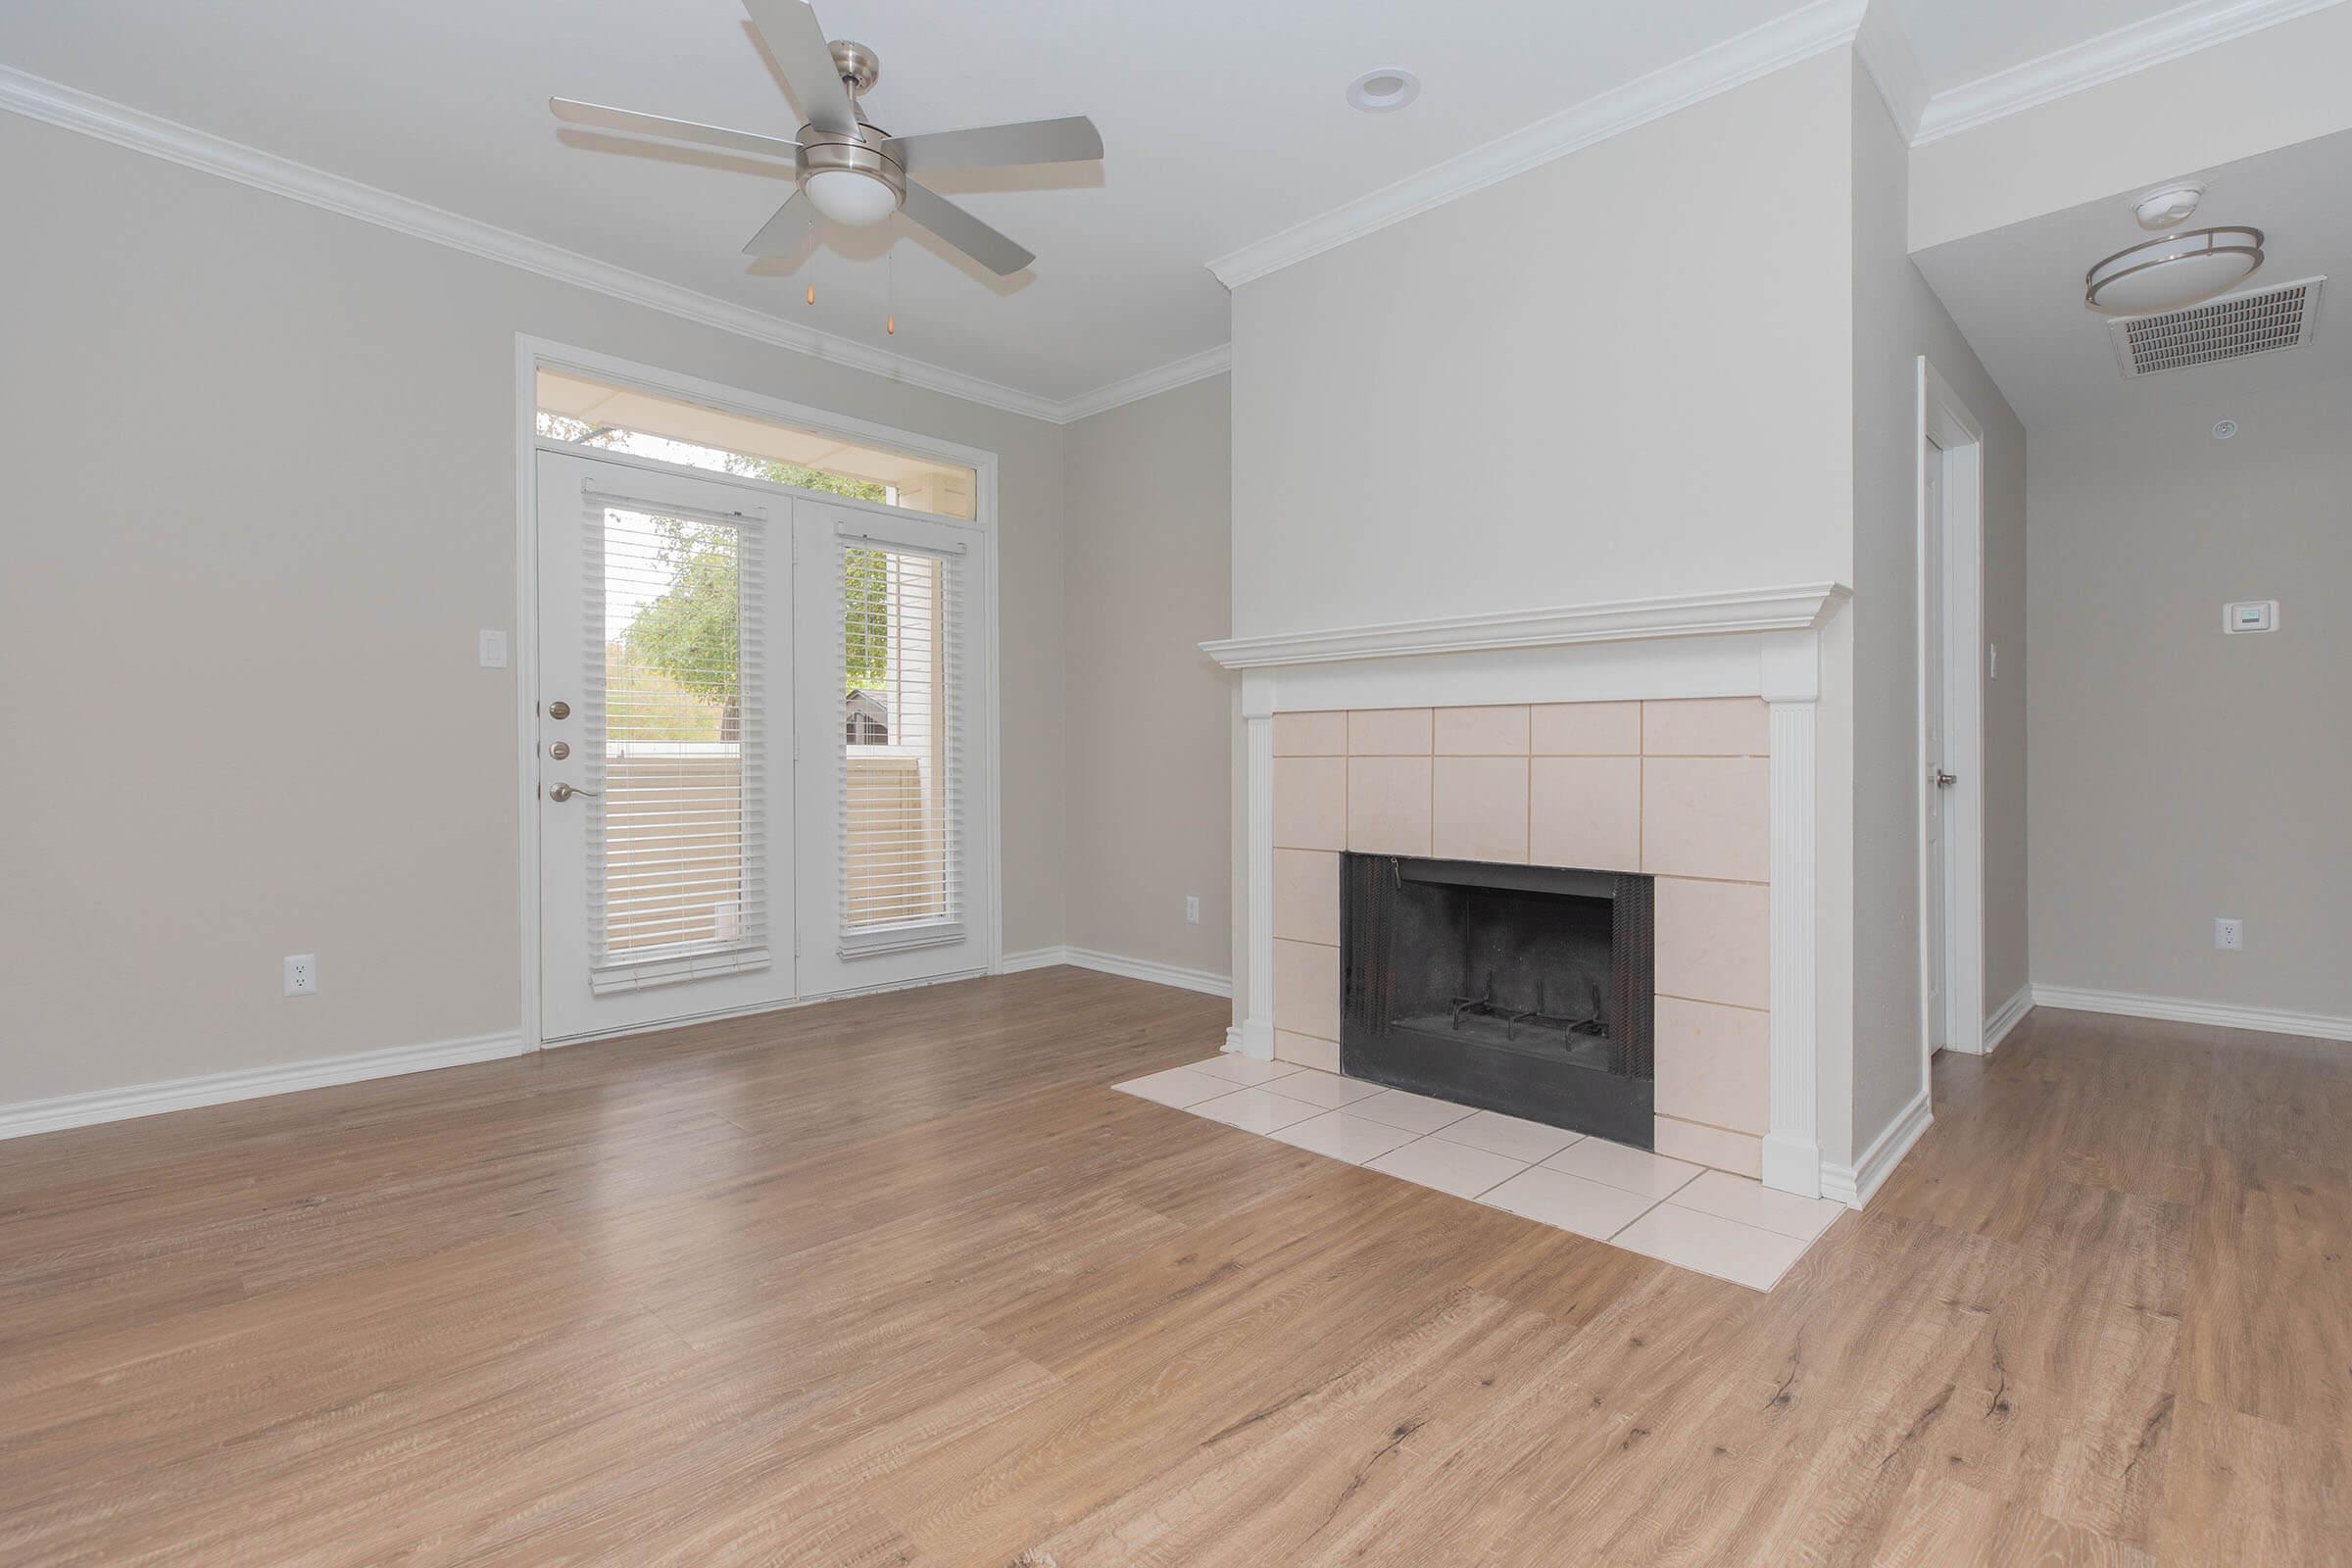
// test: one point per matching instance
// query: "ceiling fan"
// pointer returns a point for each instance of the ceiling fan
(850, 169)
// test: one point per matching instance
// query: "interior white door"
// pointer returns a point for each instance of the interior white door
(663, 748)
(894, 706)
(1935, 896)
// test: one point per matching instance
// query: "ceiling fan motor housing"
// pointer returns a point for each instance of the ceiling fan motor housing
(826, 152)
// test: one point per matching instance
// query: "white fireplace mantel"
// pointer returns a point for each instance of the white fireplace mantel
(1761, 642)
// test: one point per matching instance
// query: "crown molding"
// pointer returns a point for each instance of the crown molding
(1759, 52)
(1800, 608)
(2121, 53)
(70, 109)
(1149, 383)
(1887, 54)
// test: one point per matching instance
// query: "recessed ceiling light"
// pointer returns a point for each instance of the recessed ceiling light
(2164, 274)
(1388, 87)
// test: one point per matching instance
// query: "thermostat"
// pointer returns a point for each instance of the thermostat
(2252, 615)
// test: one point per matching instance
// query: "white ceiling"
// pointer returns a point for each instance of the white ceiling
(444, 102)
(1960, 42)
(2016, 292)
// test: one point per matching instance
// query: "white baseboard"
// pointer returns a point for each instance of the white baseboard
(1164, 974)
(2179, 1009)
(24, 1120)
(1852, 1185)
(1233, 1039)
(2007, 1016)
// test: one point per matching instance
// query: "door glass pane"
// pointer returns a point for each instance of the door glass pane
(676, 854)
(900, 738)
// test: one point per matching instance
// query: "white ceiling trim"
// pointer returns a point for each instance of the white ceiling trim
(1885, 51)
(70, 109)
(1150, 383)
(1759, 52)
(2179, 33)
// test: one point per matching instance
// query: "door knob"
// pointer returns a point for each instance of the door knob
(565, 792)
(558, 710)
(1944, 781)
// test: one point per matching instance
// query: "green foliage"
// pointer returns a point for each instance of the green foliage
(692, 633)
(866, 631)
(865, 618)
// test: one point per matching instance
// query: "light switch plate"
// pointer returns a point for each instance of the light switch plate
(494, 650)
(2251, 614)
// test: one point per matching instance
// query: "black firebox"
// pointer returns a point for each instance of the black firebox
(1514, 988)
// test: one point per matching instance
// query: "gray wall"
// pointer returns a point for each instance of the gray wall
(1561, 389)
(1897, 319)
(1150, 579)
(2179, 773)
(260, 497)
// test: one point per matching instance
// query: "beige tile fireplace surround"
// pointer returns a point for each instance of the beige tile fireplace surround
(1674, 736)
(1679, 789)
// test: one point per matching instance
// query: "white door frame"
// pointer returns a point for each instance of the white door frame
(1949, 434)
(531, 354)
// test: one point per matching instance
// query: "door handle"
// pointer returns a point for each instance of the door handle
(565, 792)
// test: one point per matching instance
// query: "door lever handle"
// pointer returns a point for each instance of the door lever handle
(565, 792)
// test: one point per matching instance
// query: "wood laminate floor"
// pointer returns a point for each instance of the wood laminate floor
(902, 1281)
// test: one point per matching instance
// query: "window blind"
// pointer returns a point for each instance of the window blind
(674, 737)
(901, 784)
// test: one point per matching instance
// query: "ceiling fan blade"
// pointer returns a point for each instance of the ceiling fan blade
(793, 35)
(782, 234)
(1071, 141)
(965, 232)
(603, 117)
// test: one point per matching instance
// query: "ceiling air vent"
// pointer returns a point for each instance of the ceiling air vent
(2231, 328)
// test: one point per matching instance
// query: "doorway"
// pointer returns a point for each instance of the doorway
(758, 719)
(1951, 659)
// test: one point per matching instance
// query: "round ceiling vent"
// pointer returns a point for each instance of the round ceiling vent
(2164, 274)
(1388, 87)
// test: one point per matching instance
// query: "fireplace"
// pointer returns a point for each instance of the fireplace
(1521, 989)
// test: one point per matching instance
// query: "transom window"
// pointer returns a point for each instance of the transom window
(587, 412)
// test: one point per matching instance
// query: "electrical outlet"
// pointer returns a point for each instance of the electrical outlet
(2229, 934)
(301, 974)
(1192, 909)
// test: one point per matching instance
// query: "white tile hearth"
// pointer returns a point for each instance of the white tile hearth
(1680, 1213)
(1497, 1134)
(1728, 1197)
(1255, 1110)
(1343, 1137)
(1247, 1071)
(1455, 1168)
(1571, 1203)
(1745, 1255)
(1179, 1086)
(1415, 1113)
(1326, 1089)
(1637, 1170)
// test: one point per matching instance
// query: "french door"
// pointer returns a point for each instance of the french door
(664, 737)
(759, 724)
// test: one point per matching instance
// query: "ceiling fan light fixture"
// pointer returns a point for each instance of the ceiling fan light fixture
(2178, 269)
(849, 196)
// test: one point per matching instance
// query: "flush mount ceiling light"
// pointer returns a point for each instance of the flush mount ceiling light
(2164, 274)
(1376, 92)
